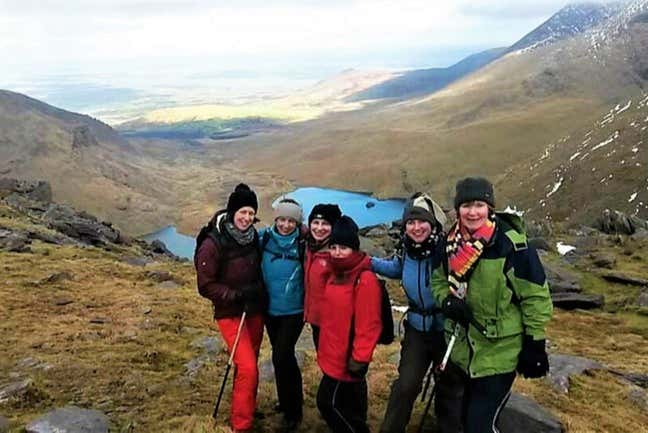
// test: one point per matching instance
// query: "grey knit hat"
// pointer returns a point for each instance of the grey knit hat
(288, 208)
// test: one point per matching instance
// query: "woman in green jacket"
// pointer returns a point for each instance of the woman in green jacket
(492, 288)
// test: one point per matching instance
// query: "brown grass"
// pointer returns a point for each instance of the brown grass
(132, 366)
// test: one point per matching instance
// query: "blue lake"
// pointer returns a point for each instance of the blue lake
(351, 203)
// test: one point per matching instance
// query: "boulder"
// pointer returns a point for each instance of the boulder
(641, 235)
(642, 300)
(158, 247)
(571, 301)
(56, 277)
(169, 285)
(70, 419)
(266, 369)
(603, 260)
(639, 398)
(377, 232)
(561, 280)
(193, 366)
(521, 414)
(4, 424)
(15, 390)
(14, 242)
(371, 247)
(624, 278)
(562, 367)
(541, 228)
(210, 345)
(159, 276)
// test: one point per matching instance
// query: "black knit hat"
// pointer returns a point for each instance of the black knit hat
(328, 212)
(345, 232)
(241, 197)
(474, 188)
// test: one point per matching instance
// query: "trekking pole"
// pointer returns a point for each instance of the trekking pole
(229, 365)
(429, 402)
(428, 380)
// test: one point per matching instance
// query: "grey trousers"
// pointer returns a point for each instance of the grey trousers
(418, 351)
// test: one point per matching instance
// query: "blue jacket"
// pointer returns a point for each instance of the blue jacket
(283, 272)
(423, 314)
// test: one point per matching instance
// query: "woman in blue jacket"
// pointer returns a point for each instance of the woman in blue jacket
(424, 341)
(283, 274)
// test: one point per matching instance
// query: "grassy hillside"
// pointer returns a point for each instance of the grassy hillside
(109, 337)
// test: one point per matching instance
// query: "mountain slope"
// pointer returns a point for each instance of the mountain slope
(498, 118)
(87, 163)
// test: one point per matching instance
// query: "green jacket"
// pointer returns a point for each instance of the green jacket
(508, 295)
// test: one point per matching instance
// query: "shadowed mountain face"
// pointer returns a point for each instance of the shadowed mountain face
(494, 122)
(425, 81)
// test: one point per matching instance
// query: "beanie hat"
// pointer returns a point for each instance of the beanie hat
(328, 212)
(288, 208)
(241, 197)
(345, 232)
(474, 188)
(421, 206)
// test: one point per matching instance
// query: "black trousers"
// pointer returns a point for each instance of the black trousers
(484, 398)
(343, 405)
(418, 351)
(284, 332)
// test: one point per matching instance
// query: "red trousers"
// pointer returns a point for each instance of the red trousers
(246, 373)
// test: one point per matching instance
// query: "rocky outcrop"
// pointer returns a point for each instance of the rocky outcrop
(33, 190)
(562, 367)
(70, 419)
(82, 137)
(615, 222)
(521, 414)
(572, 301)
(624, 278)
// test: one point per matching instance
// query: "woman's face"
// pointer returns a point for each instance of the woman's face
(473, 214)
(244, 217)
(285, 225)
(340, 251)
(418, 230)
(320, 229)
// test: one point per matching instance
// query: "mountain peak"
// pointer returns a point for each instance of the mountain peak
(569, 21)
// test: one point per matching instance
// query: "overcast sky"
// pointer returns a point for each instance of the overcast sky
(120, 36)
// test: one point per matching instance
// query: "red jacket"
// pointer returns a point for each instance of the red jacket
(223, 271)
(354, 294)
(317, 270)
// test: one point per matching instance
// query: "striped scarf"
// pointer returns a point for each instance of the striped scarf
(463, 250)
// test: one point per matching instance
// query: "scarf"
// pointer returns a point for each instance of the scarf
(463, 250)
(242, 238)
(316, 246)
(421, 250)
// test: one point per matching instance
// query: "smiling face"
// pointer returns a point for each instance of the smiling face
(285, 225)
(340, 251)
(320, 229)
(418, 230)
(244, 217)
(473, 214)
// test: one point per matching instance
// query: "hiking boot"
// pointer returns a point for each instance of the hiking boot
(289, 425)
(277, 408)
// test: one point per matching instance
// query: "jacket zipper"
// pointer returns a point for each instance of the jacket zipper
(418, 284)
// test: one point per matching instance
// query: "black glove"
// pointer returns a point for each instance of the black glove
(357, 369)
(252, 295)
(533, 361)
(457, 310)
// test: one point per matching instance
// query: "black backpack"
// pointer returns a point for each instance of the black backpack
(387, 332)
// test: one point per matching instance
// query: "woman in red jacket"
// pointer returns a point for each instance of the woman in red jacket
(350, 325)
(229, 274)
(316, 267)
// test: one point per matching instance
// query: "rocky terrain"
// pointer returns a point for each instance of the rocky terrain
(108, 333)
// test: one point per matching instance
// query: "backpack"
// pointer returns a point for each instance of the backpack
(387, 332)
(301, 247)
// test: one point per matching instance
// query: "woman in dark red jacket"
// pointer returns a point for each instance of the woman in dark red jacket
(317, 268)
(229, 274)
(350, 327)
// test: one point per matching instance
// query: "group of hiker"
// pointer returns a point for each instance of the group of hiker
(478, 306)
